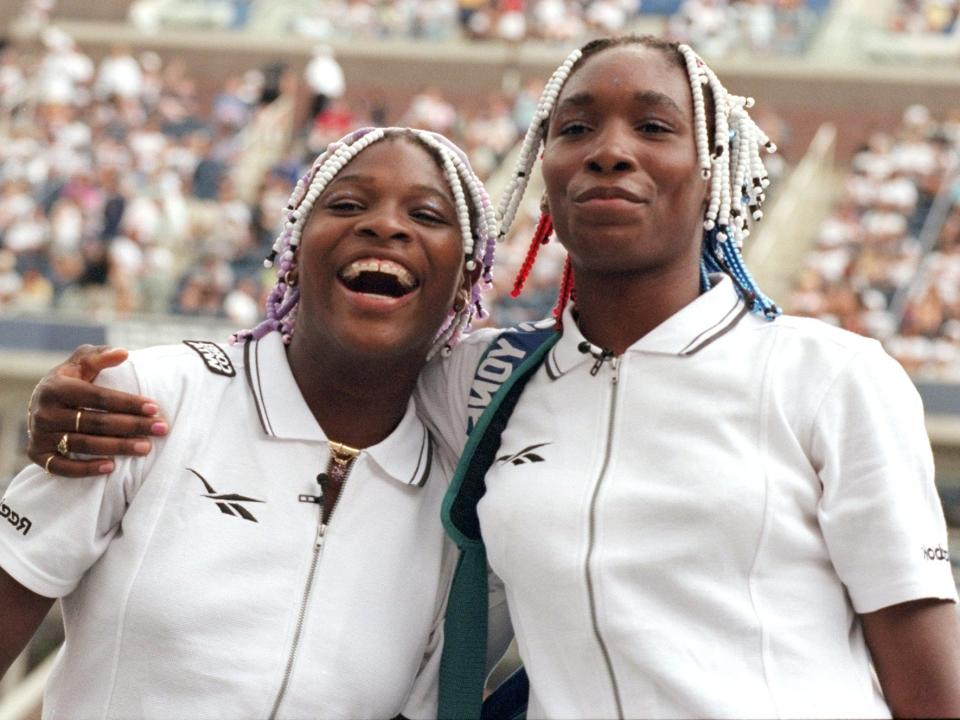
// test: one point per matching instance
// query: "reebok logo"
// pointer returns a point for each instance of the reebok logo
(527, 455)
(937, 553)
(228, 503)
(21, 523)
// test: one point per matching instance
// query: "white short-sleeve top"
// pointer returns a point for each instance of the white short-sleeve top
(690, 529)
(192, 579)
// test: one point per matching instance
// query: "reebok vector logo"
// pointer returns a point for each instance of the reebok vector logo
(527, 455)
(228, 503)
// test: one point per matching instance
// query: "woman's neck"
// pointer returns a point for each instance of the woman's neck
(614, 310)
(356, 400)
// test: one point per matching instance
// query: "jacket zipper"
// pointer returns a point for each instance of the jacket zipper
(615, 367)
(322, 525)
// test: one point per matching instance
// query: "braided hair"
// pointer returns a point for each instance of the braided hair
(475, 213)
(732, 163)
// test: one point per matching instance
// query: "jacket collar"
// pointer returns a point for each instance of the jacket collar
(405, 454)
(686, 332)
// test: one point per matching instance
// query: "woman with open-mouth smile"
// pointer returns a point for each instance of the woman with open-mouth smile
(278, 554)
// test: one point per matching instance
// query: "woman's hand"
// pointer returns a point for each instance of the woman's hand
(95, 421)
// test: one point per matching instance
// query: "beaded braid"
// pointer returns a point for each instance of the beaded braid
(476, 216)
(541, 236)
(532, 141)
(738, 178)
(733, 165)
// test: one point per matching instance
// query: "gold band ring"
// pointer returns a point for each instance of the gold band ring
(76, 425)
(63, 447)
(46, 465)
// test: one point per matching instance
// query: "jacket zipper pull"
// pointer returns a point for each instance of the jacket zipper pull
(601, 359)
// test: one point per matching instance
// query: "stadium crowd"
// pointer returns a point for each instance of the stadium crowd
(869, 251)
(123, 190)
(714, 26)
(718, 28)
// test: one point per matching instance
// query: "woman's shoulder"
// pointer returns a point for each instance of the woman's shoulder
(795, 329)
(810, 344)
(836, 360)
(193, 356)
(171, 368)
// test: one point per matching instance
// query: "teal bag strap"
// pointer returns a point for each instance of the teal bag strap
(464, 659)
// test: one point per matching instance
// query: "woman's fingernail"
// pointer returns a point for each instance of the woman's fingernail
(105, 468)
(158, 428)
(150, 408)
(141, 447)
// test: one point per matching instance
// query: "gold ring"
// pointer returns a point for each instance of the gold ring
(63, 447)
(76, 425)
(46, 465)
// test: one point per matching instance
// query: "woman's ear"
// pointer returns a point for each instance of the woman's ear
(544, 205)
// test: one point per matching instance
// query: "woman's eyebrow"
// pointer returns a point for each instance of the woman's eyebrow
(430, 190)
(362, 179)
(652, 98)
(649, 98)
(355, 177)
(580, 99)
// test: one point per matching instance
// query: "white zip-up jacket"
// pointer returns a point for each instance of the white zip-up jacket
(692, 528)
(196, 581)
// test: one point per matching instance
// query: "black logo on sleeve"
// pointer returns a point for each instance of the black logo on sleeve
(937, 553)
(228, 503)
(527, 455)
(21, 523)
(213, 357)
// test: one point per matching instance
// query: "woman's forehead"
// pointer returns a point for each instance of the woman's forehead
(398, 161)
(636, 69)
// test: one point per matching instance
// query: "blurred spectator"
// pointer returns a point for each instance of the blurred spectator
(432, 111)
(10, 280)
(13, 83)
(119, 76)
(65, 72)
(324, 78)
(232, 105)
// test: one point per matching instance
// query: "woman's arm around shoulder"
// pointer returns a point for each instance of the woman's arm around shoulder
(99, 421)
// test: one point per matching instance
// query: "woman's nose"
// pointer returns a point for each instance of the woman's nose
(386, 223)
(610, 152)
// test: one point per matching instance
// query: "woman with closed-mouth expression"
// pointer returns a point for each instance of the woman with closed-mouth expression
(278, 553)
(731, 512)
